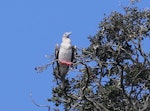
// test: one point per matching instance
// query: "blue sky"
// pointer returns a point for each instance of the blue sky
(29, 29)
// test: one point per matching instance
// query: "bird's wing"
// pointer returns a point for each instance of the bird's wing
(56, 70)
(56, 56)
(56, 52)
(74, 52)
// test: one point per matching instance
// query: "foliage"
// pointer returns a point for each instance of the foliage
(114, 71)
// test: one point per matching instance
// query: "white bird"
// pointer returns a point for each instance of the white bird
(64, 56)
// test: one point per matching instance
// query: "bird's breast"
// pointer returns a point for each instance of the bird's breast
(65, 53)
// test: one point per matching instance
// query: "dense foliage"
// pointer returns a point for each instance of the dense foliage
(113, 73)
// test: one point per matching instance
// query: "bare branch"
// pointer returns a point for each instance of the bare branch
(38, 105)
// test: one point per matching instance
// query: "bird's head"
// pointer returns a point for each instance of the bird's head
(65, 37)
(66, 34)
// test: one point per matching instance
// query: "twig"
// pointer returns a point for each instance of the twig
(41, 68)
(38, 105)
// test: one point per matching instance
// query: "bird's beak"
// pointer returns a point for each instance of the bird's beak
(69, 33)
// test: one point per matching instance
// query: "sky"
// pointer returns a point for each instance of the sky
(29, 30)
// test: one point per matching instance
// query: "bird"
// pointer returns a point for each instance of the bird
(64, 56)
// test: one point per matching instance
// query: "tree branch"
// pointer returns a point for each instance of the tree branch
(38, 105)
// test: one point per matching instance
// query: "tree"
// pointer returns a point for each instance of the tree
(114, 71)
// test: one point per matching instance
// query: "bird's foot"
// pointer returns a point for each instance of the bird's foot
(66, 63)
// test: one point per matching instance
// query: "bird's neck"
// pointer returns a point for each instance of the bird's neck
(66, 41)
(66, 44)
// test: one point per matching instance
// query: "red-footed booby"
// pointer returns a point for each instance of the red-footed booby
(64, 56)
